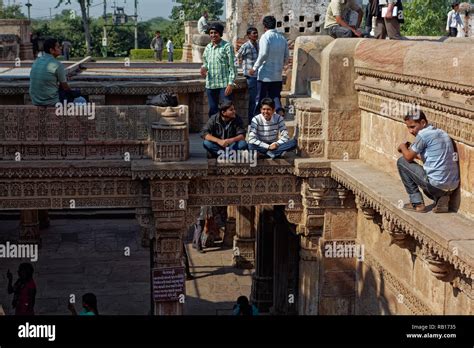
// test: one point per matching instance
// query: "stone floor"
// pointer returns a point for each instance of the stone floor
(87, 255)
(216, 285)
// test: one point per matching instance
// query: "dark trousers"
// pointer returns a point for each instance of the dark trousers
(213, 97)
(214, 148)
(414, 177)
(268, 90)
(186, 261)
(252, 86)
(453, 32)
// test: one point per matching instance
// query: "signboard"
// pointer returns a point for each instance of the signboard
(168, 283)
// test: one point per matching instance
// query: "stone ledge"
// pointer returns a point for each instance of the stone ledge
(438, 233)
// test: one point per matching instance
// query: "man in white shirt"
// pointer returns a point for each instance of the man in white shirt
(170, 49)
(203, 26)
(454, 21)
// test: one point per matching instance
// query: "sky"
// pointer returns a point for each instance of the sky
(146, 8)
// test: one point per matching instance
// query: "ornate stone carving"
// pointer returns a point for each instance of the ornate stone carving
(438, 267)
(390, 213)
(171, 137)
(410, 300)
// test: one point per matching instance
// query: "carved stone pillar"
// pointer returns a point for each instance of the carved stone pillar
(244, 240)
(168, 199)
(285, 271)
(171, 136)
(308, 296)
(144, 217)
(29, 227)
(439, 268)
(230, 226)
(262, 278)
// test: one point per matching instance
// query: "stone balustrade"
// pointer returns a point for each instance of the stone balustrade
(93, 133)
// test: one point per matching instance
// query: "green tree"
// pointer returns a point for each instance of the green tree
(85, 20)
(190, 10)
(425, 17)
(11, 12)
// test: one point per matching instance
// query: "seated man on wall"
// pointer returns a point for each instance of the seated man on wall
(268, 134)
(224, 129)
(48, 77)
(337, 18)
(439, 176)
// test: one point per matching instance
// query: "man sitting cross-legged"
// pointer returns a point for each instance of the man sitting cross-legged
(224, 129)
(439, 176)
(268, 134)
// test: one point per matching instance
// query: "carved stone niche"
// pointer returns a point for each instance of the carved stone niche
(171, 136)
(439, 268)
(397, 235)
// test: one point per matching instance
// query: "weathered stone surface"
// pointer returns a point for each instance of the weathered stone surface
(340, 224)
(307, 61)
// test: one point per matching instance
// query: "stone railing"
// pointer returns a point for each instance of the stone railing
(94, 133)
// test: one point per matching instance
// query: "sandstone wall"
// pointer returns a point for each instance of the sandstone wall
(392, 77)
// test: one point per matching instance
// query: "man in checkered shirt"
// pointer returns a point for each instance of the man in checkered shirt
(248, 54)
(219, 68)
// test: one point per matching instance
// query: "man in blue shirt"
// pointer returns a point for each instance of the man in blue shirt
(439, 176)
(272, 57)
(47, 75)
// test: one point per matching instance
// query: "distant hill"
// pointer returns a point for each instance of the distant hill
(158, 23)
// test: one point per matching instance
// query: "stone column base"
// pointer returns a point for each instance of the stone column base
(244, 253)
(262, 292)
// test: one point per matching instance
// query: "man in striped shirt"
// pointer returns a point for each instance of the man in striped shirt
(218, 68)
(439, 176)
(268, 134)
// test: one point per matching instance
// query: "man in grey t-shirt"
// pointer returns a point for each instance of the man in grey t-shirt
(157, 45)
(439, 176)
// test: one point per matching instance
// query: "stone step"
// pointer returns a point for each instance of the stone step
(315, 89)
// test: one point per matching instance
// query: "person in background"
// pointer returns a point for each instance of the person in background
(389, 16)
(248, 54)
(454, 20)
(24, 290)
(337, 19)
(89, 305)
(203, 25)
(170, 49)
(272, 57)
(157, 46)
(243, 307)
(67, 45)
(48, 77)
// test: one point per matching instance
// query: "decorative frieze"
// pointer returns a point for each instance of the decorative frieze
(403, 227)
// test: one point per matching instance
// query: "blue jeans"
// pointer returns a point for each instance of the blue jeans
(271, 90)
(252, 86)
(213, 96)
(414, 177)
(288, 146)
(214, 148)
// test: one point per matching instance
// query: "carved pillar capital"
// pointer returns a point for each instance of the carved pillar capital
(397, 234)
(439, 268)
(367, 210)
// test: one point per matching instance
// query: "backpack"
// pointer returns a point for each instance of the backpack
(163, 99)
